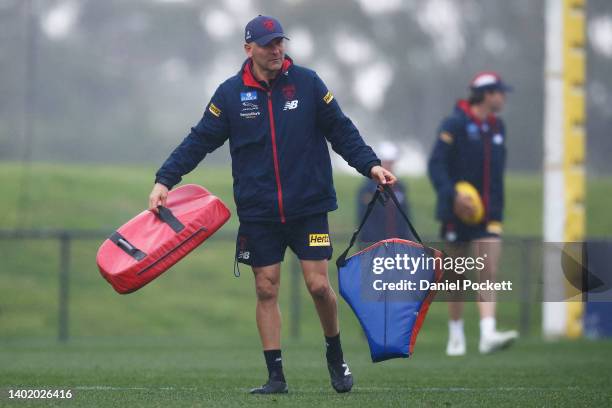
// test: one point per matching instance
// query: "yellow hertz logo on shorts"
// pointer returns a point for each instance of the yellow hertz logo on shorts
(214, 110)
(318, 240)
(328, 97)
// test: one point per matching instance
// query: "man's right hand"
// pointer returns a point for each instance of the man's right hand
(463, 206)
(158, 196)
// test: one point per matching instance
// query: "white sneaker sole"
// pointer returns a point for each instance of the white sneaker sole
(455, 351)
(498, 345)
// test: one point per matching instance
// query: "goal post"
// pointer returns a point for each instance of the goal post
(564, 157)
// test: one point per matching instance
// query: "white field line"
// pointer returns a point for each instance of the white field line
(357, 388)
(112, 388)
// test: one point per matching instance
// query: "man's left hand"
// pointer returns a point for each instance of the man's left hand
(382, 175)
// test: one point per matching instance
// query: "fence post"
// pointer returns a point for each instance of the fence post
(64, 280)
(295, 310)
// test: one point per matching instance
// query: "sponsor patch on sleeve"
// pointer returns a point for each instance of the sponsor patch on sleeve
(446, 137)
(318, 240)
(214, 110)
(328, 97)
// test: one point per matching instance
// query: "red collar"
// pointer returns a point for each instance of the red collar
(464, 105)
(249, 79)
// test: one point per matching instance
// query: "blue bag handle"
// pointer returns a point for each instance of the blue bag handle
(391, 194)
(341, 261)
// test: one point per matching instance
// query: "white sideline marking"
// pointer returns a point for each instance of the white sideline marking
(467, 389)
(357, 388)
(111, 388)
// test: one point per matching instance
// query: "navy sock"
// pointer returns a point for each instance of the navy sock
(333, 349)
(274, 362)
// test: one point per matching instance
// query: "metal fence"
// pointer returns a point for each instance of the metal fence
(528, 261)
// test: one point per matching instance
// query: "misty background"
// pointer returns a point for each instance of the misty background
(120, 81)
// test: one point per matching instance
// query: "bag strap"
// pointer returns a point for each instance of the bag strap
(166, 216)
(391, 194)
(127, 246)
(341, 261)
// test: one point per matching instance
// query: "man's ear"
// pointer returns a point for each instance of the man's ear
(248, 49)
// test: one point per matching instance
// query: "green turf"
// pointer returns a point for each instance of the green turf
(95, 196)
(198, 371)
(189, 338)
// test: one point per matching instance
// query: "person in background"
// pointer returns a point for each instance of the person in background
(471, 147)
(385, 221)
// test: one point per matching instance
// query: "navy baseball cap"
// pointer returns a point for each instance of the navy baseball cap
(489, 80)
(262, 30)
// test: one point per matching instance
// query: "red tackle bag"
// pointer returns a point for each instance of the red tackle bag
(149, 244)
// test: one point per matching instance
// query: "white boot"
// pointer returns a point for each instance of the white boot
(456, 339)
(492, 340)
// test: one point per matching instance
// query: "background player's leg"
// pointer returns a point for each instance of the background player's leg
(456, 336)
(490, 339)
(490, 250)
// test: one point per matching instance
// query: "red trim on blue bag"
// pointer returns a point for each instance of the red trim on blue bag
(424, 308)
(384, 241)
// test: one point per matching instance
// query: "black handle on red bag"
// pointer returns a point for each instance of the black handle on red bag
(341, 261)
(127, 246)
(166, 216)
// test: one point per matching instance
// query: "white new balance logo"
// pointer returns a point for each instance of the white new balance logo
(291, 105)
(346, 369)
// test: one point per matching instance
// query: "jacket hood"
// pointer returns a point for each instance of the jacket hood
(463, 108)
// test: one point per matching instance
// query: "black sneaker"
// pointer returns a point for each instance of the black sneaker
(341, 377)
(271, 387)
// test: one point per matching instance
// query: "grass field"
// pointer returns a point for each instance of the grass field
(94, 196)
(199, 372)
(189, 338)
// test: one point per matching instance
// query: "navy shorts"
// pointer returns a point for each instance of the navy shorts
(265, 243)
(460, 232)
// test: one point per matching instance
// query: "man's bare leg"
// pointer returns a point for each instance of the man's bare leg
(456, 345)
(317, 282)
(324, 297)
(489, 249)
(267, 312)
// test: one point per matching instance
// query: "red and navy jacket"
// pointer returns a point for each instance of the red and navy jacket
(469, 150)
(278, 143)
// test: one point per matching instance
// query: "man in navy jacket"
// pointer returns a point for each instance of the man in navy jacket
(278, 118)
(471, 147)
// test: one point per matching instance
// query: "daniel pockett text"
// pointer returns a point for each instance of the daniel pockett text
(401, 273)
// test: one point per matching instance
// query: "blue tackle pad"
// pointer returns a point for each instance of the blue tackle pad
(387, 285)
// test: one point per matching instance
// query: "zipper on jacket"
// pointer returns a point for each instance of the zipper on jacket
(275, 157)
(486, 173)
